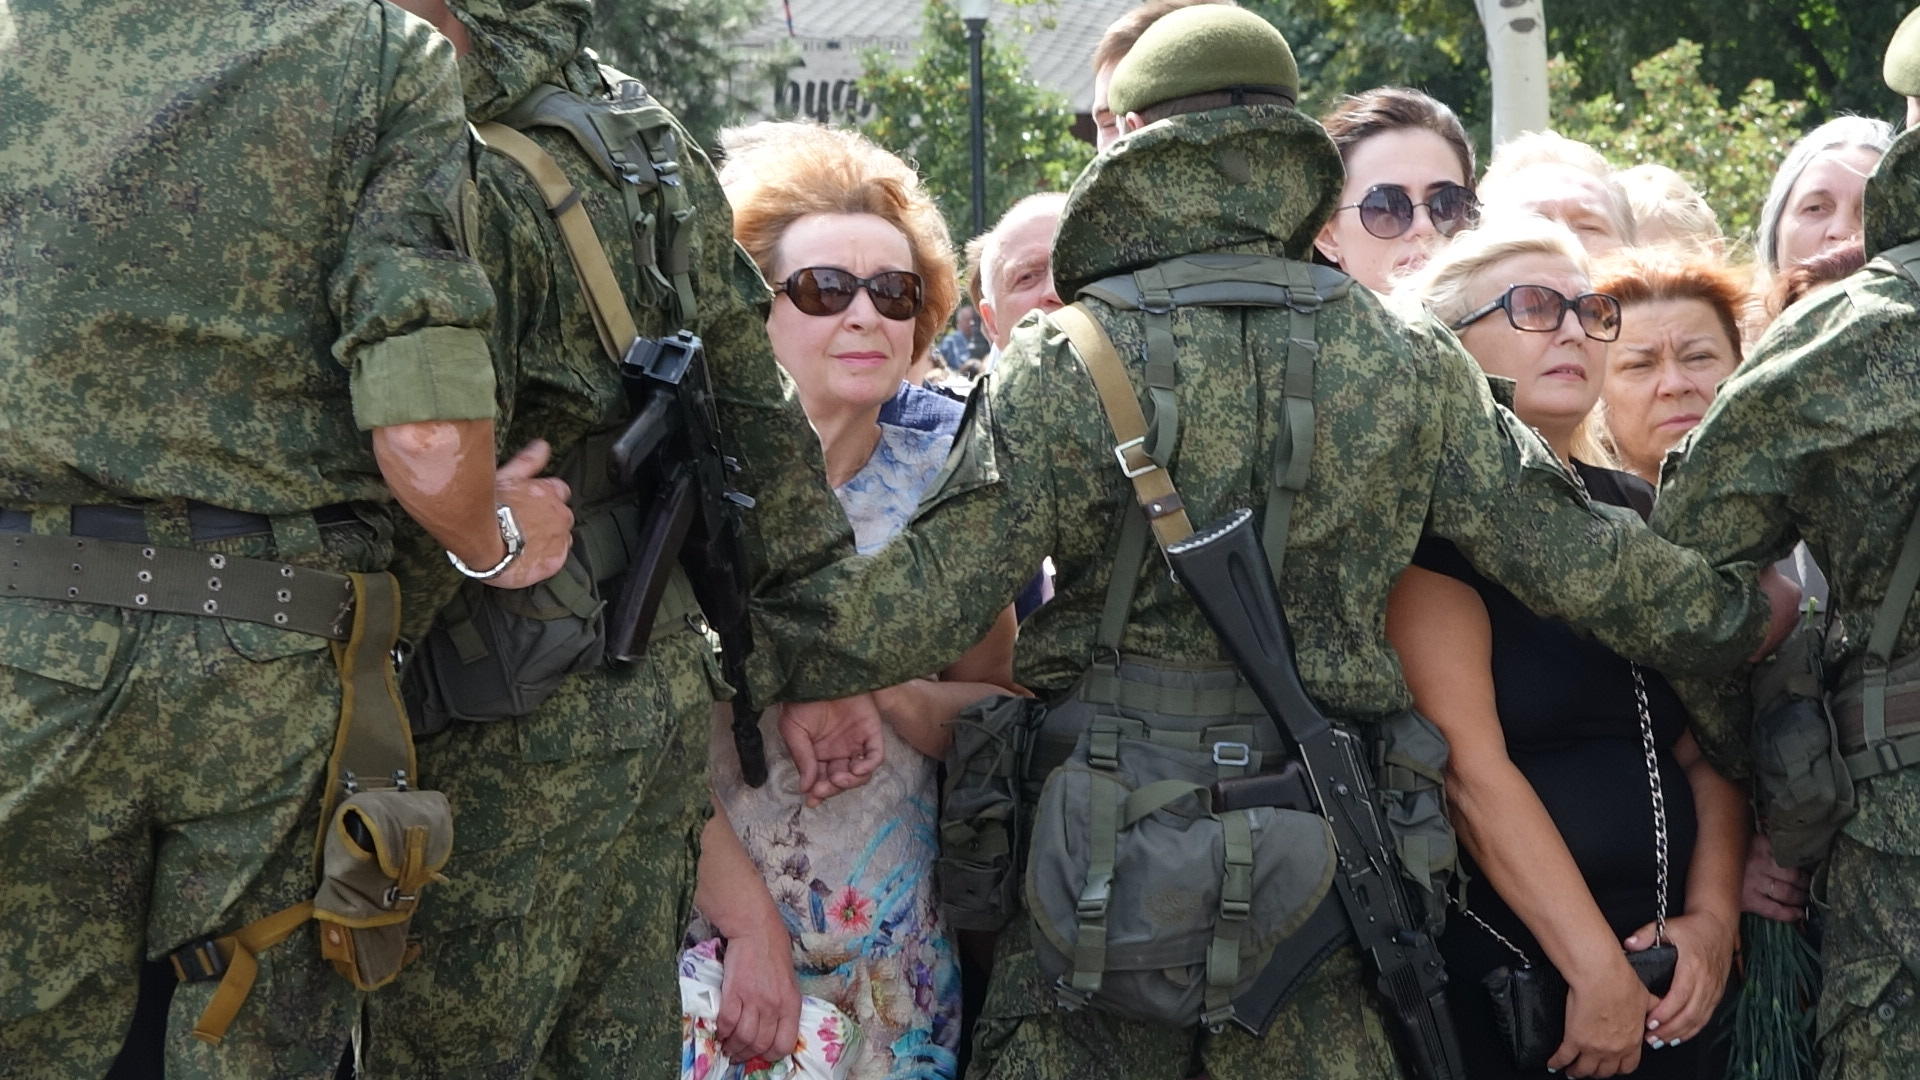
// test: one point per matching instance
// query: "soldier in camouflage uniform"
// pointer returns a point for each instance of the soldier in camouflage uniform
(1408, 440)
(1817, 438)
(553, 949)
(198, 201)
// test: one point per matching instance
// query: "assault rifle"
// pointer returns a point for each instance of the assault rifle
(691, 516)
(1225, 569)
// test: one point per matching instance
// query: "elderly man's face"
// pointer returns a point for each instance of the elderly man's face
(1022, 277)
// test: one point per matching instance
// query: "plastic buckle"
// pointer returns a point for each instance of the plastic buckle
(1232, 753)
(1120, 455)
(199, 961)
(1235, 910)
(1888, 755)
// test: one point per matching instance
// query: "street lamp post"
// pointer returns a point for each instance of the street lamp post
(974, 14)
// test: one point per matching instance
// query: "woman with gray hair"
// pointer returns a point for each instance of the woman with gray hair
(1814, 203)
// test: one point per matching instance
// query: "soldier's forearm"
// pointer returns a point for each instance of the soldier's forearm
(441, 473)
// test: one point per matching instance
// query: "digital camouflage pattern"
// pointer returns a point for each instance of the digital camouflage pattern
(1407, 435)
(554, 948)
(199, 200)
(1408, 440)
(1817, 437)
(160, 782)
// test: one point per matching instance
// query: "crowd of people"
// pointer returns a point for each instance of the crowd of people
(1542, 459)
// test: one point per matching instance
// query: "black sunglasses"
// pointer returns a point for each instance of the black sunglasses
(828, 290)
(1542, 310)
(1386, 210)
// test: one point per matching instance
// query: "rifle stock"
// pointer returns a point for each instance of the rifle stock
(1225, 570)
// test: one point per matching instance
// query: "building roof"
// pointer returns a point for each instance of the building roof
(831, 37)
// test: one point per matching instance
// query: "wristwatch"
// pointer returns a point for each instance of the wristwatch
(509, 532)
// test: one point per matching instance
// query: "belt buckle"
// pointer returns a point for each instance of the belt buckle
(199, 960)
(1120, 455)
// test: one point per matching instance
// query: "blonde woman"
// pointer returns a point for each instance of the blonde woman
(1549, 779)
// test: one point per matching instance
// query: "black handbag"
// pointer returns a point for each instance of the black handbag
(1529, 1002)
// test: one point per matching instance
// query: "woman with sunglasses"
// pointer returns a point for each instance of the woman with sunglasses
(1409, 184)
(836, 901)
(1549, 732)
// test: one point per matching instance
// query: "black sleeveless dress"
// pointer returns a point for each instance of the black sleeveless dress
(1567, 709)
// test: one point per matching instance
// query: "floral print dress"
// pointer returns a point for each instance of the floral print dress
(853, 878)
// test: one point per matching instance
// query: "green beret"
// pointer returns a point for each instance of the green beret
(1903, 57)
(1201, 49)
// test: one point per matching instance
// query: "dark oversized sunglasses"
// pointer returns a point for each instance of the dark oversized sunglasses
(1542, 310)
(1386, 210)
(828, 290)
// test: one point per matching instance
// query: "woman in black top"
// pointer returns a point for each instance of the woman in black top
(1548, 780)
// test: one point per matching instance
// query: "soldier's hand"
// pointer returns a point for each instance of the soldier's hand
(1770, 890)
(539, 505)
(759, 997)
(836, 745)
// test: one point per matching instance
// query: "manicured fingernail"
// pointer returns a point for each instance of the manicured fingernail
(1656, 1043)
(1676, 1042)
(1651, 1024)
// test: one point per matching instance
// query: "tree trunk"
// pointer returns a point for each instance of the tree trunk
(1517, 59)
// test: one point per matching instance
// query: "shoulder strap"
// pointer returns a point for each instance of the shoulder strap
(611, 316)
(1293, 449)
(1153, 487)
(1907, 258)
(1886, 627)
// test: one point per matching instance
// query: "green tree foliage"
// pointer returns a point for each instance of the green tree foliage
(1674, 117)
(683, 50)
(920, 111)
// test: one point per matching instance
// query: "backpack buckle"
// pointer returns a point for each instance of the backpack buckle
(1232, 753)
(199, 960)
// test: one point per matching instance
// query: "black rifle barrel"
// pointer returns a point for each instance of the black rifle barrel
(1225, 570)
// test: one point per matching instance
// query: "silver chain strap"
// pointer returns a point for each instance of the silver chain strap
(1659, 830)
(1659, 807)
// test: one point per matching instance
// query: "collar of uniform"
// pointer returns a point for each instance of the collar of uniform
(1260, 179)
(517, 46)
(1892, 211)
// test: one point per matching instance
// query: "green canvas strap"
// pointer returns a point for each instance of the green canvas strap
(1102, 685)
(1886, 628)
(1107, 797)
(1236, 905)
(1293, 449)
(178, 581)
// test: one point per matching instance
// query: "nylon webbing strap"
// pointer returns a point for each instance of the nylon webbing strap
(1886, 628)
(238, 951)
(1236, 905)
(1107, 796)
(373, 746)
(1293, 450)
(611, 317)
(177, 581)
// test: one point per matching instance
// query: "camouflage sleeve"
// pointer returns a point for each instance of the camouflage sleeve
(1506, 502)
(411, 306)
(865, 622)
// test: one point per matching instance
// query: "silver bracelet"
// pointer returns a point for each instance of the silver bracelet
(510, 533)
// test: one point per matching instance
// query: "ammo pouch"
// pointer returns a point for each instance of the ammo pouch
(982, 813)
(381, 849)
(1410, 761)
(1147, 902)
(1800, 784)
(495, 654)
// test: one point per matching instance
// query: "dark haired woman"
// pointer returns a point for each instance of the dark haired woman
(1409, 184)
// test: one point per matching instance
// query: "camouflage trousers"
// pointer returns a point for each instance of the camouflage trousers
(1869, 1018)
(159, 782)
(1330, 1030)
(552, 949)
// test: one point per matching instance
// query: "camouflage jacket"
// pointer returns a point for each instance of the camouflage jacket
(1407, 440)
(199, 201)
(1817, 437)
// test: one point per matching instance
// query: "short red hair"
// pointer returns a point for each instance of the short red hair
(1647, 275)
